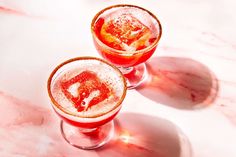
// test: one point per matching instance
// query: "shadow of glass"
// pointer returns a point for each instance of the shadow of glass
(140, 135)
(180, 83)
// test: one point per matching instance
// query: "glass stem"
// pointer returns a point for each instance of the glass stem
(126, 70)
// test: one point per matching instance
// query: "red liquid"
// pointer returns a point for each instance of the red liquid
(126, 34)
(88, 124)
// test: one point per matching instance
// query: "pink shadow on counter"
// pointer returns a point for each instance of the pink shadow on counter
(181, 83)
(139, 135)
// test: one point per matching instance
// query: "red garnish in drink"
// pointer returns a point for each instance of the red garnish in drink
(90, 90)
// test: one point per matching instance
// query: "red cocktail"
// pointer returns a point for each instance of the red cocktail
(126, 36)
(86, 93)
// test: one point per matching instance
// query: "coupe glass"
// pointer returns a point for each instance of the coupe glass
(127, 36)
(86, 93)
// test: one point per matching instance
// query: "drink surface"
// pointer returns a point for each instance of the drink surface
(126, 29)
(88, 88)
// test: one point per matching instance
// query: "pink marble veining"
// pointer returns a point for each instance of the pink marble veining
(29, 130)
(11, 11)
(229, 112)
(187, 108)
(18, 12)
(16, 112)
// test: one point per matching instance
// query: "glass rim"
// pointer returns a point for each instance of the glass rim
(150, 47)
(57, 105)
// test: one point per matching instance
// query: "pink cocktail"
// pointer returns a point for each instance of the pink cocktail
(126, 36)
(87, 93)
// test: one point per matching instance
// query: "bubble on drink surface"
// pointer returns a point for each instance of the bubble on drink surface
(106, 74)
(128, 29)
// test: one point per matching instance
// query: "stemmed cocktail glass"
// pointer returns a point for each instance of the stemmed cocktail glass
(127, 36)
(86, 93)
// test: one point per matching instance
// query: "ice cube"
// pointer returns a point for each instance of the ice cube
(85, 90)
(125, 32)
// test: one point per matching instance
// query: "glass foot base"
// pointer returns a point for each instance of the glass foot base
(135, 76)
(87, 139)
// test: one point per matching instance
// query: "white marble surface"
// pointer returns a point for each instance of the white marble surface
(187, 109)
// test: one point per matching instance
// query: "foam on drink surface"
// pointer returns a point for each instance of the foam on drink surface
(128, 29)
(89, 88)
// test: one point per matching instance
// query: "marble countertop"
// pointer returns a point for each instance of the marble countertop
(186, 109)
